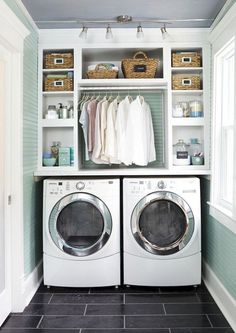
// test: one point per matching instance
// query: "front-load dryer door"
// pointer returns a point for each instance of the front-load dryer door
(162, 223)
(80, 224)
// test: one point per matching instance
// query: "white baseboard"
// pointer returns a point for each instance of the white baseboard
(222, 297)
(30, 284)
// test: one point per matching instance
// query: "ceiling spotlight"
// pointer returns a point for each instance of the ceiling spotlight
(83, 34)
(109, 34)
(140, 33)
(164, 33)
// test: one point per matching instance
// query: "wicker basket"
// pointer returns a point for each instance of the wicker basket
(186, 82)
(100, 72)
(186, 59)
(58, 60)
(58, 84)
(139, 68)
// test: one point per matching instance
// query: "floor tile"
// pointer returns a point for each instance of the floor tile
(41, 298)
(167, 321)
(87, 299)
(201, 330)
(161, 298)
(198, 308)
(122, 330)
(205, 298)
(125, 309)
(184, 289)
(22, 321)
(54, 309)
(82, 322)
(37, 330)
(126, 289)
(52, 289)
(218, 320)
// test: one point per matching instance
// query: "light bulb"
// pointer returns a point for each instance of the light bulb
(164, 33)
(83, 34)
(140, 33)
(109, 34)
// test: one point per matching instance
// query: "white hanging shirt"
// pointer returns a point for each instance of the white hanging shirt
(96, 155)
(140, 148)
(111, 140)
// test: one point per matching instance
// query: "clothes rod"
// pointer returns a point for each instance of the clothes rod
(123, 88)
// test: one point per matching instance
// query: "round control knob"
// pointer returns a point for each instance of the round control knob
(161, 184)
(80, 186)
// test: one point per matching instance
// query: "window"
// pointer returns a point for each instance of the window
(223, 143)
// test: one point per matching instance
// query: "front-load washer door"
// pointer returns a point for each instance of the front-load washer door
(80, 224)
(162, 223)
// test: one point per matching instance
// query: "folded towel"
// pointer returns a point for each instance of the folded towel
(102, 66)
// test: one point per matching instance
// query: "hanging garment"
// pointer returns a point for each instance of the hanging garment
(84, 121)
(103, 126)
(121, 125)
(140, 148)
(96, 155)
(111, 139)
(91, 110)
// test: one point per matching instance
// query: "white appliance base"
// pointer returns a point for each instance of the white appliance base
(74, 273)
(170, 272)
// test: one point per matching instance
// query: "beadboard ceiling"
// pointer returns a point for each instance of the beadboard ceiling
(67, 12)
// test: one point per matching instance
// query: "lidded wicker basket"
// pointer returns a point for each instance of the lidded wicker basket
(58, 60)
(186, 82)
(139, 67)
(186, 59)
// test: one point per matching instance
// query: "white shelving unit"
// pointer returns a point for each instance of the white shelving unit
(50, 130)
(188, 127)
(67, 131)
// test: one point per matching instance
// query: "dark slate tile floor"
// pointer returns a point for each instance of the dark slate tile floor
(119, 310)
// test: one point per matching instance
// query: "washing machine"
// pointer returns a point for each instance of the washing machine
(162, 231)
(81, 232)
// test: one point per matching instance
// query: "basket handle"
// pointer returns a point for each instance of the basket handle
(140, 53)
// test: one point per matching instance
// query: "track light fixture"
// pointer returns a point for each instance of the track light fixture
(109, 34)
(83, 34)
(140, 33)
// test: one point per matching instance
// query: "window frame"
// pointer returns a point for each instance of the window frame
(220, 209)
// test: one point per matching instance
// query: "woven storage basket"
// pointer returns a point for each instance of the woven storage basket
(186, 82)
(100, 72)
(139, 68)
(58, 60)
(58, 84)
(186, 59)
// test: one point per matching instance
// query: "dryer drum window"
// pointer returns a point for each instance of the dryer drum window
(162, 223)
(80, 224)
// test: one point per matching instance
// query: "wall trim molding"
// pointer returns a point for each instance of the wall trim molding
(222, 297)
(30, 284)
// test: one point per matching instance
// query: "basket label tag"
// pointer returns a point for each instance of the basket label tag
(186, 82)
(187, 59)
(59, 83)
(140, 68)
(182, 154)
(58, 61)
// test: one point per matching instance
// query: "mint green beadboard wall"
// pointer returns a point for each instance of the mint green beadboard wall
(32, 190)
(218, 244)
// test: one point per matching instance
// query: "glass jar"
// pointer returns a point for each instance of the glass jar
(196, 153)
(55, 150)
(181, 153)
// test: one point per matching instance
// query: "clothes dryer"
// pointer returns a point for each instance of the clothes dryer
(81, 232)
(162, 231)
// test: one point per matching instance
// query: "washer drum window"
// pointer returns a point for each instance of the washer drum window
(80, 224)
(162, 223)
